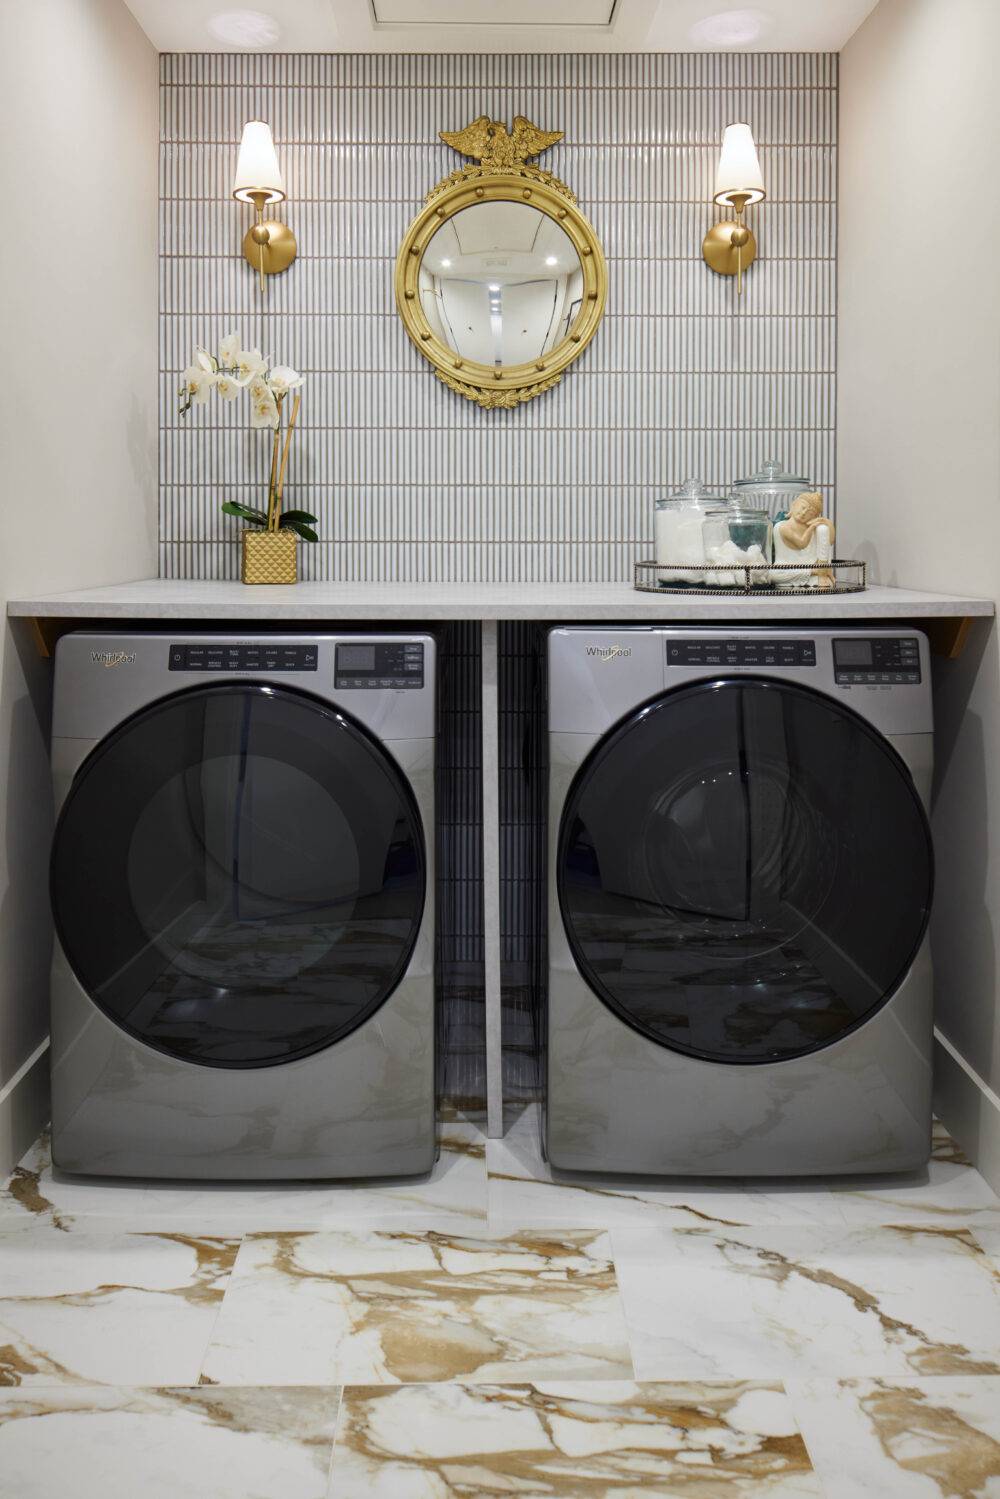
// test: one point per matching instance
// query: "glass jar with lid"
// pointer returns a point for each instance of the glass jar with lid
(679, 541)
(771, 488)
(740, 535)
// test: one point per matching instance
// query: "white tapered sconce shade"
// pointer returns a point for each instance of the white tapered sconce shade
(738, 175)
(257, 170)
(269, 246)
(729, 248)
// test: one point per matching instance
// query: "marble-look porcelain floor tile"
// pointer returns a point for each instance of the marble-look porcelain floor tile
(371, 1308)
(987, 1235)
(453, 1195)
(598, 1440)
(951, 1190)
(912, 1439)
(132, 1309)
(775, 1302)
(524, 1190)
(105, 1443)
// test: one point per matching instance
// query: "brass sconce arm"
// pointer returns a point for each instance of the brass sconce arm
(269, 246)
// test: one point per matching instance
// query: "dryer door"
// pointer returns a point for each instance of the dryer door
(744, 870)
(238, 875)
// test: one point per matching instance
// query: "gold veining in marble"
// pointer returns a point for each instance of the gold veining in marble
(929, 1356)
(24, 1189)
(404, 1307)
(922, 1435)
(121, 1308)
(944, 1148)
(588, 1441)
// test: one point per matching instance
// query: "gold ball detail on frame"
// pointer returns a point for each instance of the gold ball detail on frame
(503, 279)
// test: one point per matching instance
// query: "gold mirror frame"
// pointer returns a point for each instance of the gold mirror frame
(502, 172)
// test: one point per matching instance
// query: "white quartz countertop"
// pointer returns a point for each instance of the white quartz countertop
(158, 598)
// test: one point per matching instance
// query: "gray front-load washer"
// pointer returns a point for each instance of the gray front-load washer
(242, 886)
(740, 879)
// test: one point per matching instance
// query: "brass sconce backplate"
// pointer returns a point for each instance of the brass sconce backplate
(476, 278)
(276, 253)
(720, 252)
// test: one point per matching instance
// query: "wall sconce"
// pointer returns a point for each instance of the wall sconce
(729, 247)
(269, 246)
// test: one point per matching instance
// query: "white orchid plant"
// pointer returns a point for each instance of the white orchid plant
(229, 373)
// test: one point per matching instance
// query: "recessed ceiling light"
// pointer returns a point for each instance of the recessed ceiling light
(244, 28)
(551, 260)
(446, 265)
(732, 28)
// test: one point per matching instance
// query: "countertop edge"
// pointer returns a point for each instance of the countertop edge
(166, 599)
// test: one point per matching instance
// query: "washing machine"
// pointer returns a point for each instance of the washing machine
(242, 888)
(740, 881)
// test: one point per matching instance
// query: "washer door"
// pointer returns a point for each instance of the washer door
(745, 871)
(238, 875)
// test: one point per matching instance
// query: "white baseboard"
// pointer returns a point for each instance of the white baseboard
(969, 1109)
(24, 1108)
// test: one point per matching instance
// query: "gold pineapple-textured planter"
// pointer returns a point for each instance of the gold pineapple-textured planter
(270, 557)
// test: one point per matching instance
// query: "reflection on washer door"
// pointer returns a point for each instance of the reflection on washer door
(745, 871)
(238, 876)
(501, 284)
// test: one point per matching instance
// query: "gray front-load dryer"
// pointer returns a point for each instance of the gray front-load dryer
(242, 887)
(740, 878)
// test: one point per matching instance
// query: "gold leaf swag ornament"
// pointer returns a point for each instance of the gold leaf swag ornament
(499, 152)
(492, 400)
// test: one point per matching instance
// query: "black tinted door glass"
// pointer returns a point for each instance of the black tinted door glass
(745, 871)
(238, 875)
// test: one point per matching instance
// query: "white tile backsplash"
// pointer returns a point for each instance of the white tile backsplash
(409, 480)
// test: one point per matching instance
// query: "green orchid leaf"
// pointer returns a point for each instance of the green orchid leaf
(245, 512)
(298, 515)
(306, 532)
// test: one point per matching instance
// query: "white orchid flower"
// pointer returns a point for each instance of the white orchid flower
(263, 406)
(227, 386)
(249, 364)
(283, 378)
(197, 385)
(207, 361)
(229, 350)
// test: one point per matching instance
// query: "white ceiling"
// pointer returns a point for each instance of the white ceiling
(526, 25)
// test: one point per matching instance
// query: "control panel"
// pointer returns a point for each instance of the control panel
(375, 663)
(879, 661)
(718, 650)
(227, 656)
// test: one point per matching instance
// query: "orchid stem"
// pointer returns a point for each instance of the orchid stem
(271, 516)
(284, 457)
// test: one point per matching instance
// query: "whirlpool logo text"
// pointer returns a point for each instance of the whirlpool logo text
(610, 652)
(113, 658)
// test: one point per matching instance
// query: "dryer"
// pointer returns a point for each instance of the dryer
(740, 881)
(242, 887)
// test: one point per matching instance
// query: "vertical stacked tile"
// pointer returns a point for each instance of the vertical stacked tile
(411, 481)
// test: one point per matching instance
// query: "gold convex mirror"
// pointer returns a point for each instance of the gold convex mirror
(501, 281)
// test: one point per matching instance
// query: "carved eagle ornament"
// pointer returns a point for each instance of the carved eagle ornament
(488, 141)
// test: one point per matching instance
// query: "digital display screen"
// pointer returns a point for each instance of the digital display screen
(355, 658)
(853, 652)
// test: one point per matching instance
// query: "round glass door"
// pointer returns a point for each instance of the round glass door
(238, 875)
(744, 870)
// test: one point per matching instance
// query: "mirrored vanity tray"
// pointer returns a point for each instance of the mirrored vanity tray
(789, 578)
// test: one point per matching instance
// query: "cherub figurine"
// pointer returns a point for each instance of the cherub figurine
(806, 535)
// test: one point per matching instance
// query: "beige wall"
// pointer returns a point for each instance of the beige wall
(78, 114)
(919, 448)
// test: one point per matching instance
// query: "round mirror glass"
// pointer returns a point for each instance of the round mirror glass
(501, 283)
